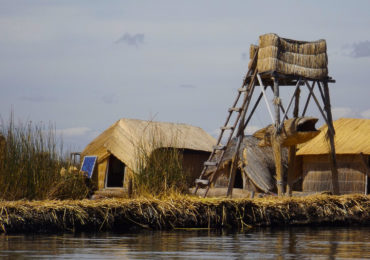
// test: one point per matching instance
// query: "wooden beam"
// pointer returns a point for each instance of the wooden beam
(253, 109)
(290, 103)
(308, 100)
(331, 133)
(276, 142)
(293, 148)
(367, 171)
(317, 102)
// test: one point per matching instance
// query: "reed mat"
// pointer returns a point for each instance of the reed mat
(175, 212)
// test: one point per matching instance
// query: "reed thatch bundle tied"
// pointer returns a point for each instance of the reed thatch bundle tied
(290, 57)
(295, 131)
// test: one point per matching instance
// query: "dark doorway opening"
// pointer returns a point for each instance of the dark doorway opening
(116, 172)
(238, 179)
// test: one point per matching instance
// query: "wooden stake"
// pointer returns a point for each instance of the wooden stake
(276, 142)
(292, 149)
(331, 133)
(367, 171)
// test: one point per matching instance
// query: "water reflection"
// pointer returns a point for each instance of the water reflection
(268, 243)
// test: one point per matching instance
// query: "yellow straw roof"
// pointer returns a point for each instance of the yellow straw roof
(352, 136)
(124, 137)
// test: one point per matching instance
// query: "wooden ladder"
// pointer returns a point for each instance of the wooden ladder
(247, 90)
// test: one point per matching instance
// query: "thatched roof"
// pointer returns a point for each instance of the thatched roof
(126, 136)
(352, 136)
(291, 57)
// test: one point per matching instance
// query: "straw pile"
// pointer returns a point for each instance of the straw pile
(180, 212)
(295, 131)
(290, 57)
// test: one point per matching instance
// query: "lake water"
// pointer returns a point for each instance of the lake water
(264, 243)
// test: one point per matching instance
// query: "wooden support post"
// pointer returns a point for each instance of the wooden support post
(331, 133)
(276, 142)
(367, 171)
(292, 149)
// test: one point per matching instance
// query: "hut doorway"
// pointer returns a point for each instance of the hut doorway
(115, 173)
(238, 179)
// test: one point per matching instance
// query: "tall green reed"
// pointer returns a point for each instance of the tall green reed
(159, 165)
(31, 161)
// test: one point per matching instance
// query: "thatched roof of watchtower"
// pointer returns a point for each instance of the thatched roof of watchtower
(290, 57)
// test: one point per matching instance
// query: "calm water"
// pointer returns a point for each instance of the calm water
(292, 243)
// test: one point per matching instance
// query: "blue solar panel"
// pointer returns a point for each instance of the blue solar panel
(88, 165)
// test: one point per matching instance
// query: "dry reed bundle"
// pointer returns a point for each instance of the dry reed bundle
(290, 57)
(181, 212)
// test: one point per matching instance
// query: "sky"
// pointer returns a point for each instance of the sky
(83, 65)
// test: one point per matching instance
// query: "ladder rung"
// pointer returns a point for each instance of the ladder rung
(242, 89)
(210, 163)
(236, 109)
(219, 147)
(202, 182)
(227, 127)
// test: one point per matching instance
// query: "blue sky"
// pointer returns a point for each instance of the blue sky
(84, 64)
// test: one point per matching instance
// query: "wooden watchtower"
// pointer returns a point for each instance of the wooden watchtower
(276, 62)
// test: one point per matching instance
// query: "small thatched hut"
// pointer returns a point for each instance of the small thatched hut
(352, 144)
(256, 166)
(118, 147)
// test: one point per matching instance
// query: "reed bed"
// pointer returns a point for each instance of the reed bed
(31, 159)
(180, 211)
(159, 166)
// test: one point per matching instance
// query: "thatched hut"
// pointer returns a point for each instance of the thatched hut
(118, 148)
(352, 144)
(256, 166)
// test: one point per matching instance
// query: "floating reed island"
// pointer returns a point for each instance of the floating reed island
(178, 212)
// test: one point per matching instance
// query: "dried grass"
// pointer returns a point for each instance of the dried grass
(290, 57)
(181, 212)
(30, 164)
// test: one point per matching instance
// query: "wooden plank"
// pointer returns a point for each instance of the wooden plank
(227, 128)
(219, 147)
(236, 109)
(202, 182)
(210, 163)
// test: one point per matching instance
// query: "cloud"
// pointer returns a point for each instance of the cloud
(74, 131)
(366, 114)
(339, 112)
(359, 49)
(187, 86)
(132, 40)
(38, 99)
